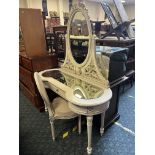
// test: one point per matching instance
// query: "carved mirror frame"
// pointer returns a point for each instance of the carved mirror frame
(88, 70)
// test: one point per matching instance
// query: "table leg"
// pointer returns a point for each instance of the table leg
(89, 133)
(102, 123)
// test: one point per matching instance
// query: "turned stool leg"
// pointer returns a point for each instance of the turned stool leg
(102, 123)
(52, 130)
(46, 110)
(79, 124)
(89, 133)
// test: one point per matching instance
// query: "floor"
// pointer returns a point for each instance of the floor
(35, 134)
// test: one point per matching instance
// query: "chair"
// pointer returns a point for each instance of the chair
(57, 109)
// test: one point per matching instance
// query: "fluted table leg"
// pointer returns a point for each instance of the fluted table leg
(89, 132)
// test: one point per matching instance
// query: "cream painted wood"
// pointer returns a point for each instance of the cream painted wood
(102, 123)
(88, 70)
(58, 109)
(85, 77)
(46, 109)
(67, 91)
(52, 129)
(79, 124)
(89, 133)
(89, 112)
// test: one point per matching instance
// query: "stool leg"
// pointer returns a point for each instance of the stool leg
(102, 124)
(52, 130)
(46, 110)
(79, 124)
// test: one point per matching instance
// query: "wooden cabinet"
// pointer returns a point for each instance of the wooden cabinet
(59, 32)
(33, 56)
(32, 31)
(26, 71)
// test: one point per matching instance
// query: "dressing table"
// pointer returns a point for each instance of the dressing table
(81, 83)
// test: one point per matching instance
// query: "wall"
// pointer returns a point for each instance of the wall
(22, 4)
(97, 13)
(94, 9)
(130, 10)
(66, 5)
(52, 5)
(101, 14)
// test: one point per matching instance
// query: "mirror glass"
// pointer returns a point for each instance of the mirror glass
(81, 89)
(79, 37)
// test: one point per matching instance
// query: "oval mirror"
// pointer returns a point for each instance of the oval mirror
(79, 37)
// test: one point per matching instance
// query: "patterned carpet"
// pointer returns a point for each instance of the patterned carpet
(35, 133)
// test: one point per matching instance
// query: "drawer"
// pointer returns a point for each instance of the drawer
(20, 60)
(27, 92)
(27, 63)
(42, 63)
(34, 98)
(26, 77)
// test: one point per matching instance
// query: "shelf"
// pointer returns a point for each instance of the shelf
(79, 37)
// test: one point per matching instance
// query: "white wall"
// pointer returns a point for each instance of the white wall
(37, 4)
(130, 10)
(66, 5)
(22, 4)
(94, 9)
(101, 13)
(52, 5)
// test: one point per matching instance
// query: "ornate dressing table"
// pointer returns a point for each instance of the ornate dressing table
(81, 82)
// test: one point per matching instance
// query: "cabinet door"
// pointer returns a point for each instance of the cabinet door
(32, 27)
(26, 77)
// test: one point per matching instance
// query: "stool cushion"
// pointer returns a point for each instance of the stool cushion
(61, 108)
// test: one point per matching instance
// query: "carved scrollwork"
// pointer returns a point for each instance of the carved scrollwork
(90, 89)
(69, 81)
(90, 71)
(80, 7)
(69, 65)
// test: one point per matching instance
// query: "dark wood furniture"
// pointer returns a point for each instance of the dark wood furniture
(112, 114)
(27, 68)
(117, 78)
(59, 33)
(50, 42)
(33, 55)
(59, 29)
(130, 44)
(33, 33)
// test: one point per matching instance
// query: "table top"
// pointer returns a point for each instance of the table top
(82, 89)
(76, 90)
